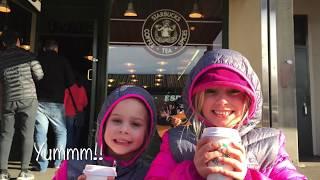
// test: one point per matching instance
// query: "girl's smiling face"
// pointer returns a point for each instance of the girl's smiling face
(224, 106)
(126, 128)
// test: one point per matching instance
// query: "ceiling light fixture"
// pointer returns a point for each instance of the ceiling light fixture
(4, 7)
(161, 70)
(88, 57)
(25, 47)
(130, 10)
(162, 62)
(195, 13)
(129, 64)
(132, 70)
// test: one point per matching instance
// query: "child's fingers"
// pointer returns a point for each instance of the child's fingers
(238, 152)
(232, 174)
(211, 156)
(233, 153)
(228, 173)
(82, 177)
(235, 164)
(239, 146)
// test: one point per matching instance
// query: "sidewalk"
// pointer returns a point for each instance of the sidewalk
(14, 170)
(310, 169)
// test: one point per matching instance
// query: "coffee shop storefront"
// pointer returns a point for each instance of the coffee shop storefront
(154, 44)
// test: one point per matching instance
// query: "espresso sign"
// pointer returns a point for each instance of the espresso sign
(165, 32)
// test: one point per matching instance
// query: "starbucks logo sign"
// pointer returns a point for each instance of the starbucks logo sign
(165, 32)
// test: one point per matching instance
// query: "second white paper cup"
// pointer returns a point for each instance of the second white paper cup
(96, 172)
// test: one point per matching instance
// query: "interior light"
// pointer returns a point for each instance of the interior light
(132, 70)
(195, 13)
(161, 70)
(129, 64)
(4, 7)
(25, 47)
(162, 62)
(130, 10)
(89, 57)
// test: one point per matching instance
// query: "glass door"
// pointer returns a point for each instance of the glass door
(155, 44)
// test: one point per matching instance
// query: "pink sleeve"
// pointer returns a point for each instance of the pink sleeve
(255, 174)
(282, 168)
(61, 173)
(165, 167)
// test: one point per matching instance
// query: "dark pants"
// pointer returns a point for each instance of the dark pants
(22, 112)
(75, 130)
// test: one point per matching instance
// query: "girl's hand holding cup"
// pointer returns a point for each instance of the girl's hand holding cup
(233, 156)
(206, 151)
(219, 155)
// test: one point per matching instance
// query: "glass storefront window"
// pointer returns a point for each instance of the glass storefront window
(135, 65)
(160, 43)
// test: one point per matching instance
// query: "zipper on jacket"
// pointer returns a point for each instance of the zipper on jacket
(115, 165)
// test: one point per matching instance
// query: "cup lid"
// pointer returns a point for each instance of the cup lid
(100, 170)
(222, 132)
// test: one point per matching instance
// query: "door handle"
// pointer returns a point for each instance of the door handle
(305, 109)
(89, 74)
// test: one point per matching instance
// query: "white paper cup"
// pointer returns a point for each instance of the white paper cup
(222, 136)
(96, 172)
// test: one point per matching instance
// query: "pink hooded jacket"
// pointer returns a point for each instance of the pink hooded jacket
(134, 168)
(265, 152)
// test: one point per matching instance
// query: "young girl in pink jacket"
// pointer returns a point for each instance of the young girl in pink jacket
(223, 91)
(127, 123)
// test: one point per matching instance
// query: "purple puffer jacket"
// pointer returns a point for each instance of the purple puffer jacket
(265, 152)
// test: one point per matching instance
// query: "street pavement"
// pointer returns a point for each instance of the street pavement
(309, 168)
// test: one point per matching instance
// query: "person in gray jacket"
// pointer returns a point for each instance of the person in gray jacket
(18, 70)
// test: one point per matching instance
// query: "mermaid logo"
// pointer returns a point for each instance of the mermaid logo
(165, 32)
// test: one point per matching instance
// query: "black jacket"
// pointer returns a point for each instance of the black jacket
(58, 76)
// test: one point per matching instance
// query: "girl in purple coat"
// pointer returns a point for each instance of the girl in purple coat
(223, 91)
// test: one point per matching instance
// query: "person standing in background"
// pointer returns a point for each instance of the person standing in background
(18, 70)
(50, 91)
(75, 102)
